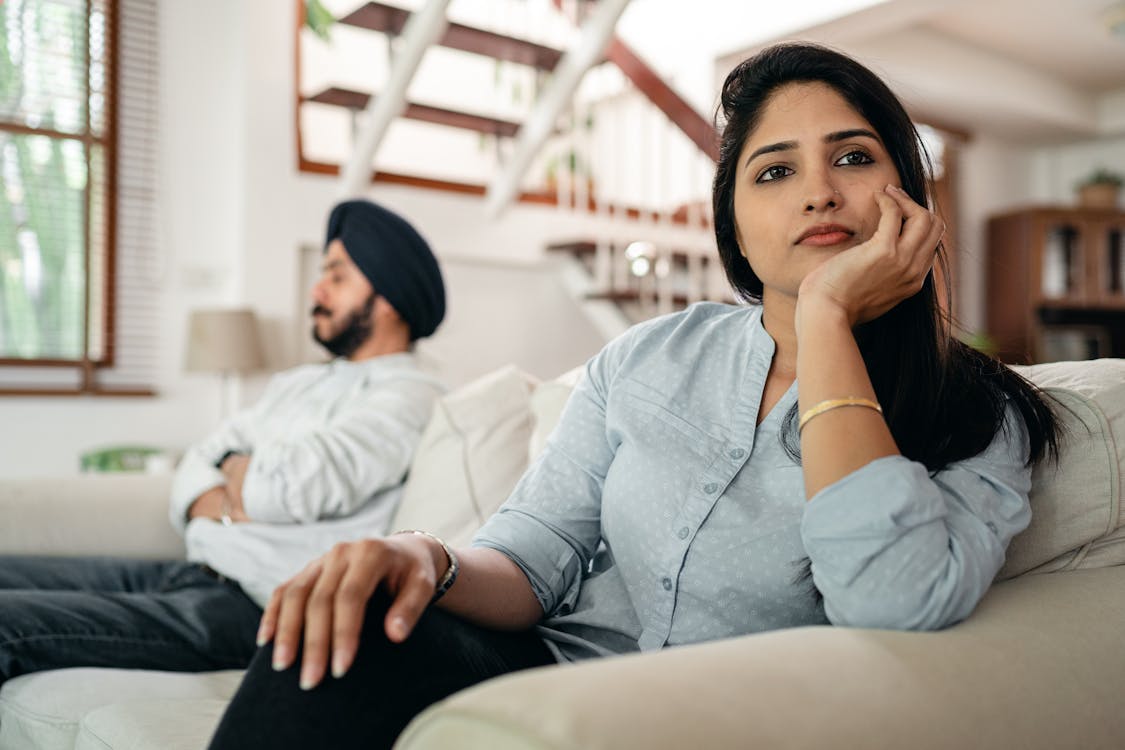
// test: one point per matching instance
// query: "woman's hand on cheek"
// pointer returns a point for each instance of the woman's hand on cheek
(868, 280)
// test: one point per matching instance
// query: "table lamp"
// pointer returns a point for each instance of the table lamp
(224, 341)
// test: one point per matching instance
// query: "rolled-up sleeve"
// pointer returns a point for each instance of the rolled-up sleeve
(551, 524)
(893, 547)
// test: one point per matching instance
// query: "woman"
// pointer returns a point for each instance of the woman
(833, 426)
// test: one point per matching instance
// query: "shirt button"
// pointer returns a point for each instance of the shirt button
(667, 584)
(992, 527)
(710, 488)
(737, 453)
(682, 533)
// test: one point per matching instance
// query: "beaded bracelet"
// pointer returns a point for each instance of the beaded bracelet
(836, 403)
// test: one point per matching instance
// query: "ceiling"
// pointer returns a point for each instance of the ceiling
(1031, 70)
(1067, 39)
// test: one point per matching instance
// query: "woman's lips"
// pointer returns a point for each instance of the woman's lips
(825, 234)
(826, 238)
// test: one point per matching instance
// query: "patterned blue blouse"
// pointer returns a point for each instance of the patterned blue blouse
(660, 512)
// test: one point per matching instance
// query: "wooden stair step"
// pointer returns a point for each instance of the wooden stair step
(349, 99)
(390, 20)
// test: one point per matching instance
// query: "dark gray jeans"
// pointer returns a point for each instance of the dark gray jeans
(103, 612)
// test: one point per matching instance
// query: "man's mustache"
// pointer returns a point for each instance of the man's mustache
(320, 310)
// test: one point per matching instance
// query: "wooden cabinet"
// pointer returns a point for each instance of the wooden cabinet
(1056, 284)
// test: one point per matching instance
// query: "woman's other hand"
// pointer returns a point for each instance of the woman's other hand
(327, 601)
(868, 280)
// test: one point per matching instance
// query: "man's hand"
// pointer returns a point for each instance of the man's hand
(234, 469)
(210, 505)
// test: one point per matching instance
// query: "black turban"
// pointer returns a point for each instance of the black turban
(395, 259)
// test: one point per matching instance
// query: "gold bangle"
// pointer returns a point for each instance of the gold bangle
(836, 403)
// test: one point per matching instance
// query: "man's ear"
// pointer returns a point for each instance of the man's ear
(384, 310)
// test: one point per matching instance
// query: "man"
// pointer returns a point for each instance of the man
(319, 459)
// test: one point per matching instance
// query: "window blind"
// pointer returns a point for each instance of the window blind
(119, 253)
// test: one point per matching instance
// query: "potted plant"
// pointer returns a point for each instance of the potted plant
(1100, 189)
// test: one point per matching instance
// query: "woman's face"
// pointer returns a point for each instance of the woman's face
(805, 184)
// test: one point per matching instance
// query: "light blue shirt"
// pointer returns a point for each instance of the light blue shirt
(661, 513)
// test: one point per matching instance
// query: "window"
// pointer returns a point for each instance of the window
(59, 196)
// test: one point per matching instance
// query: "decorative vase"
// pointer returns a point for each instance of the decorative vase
(1098, 195)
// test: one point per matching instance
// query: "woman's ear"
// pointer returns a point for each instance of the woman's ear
(741, 245)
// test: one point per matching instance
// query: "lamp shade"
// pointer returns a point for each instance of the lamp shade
(224, 341)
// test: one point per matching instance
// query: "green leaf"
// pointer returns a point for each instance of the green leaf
(319, 19)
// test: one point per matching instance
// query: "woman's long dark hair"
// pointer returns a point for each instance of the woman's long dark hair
(942, 400)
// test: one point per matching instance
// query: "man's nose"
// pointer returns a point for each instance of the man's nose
(318, 294)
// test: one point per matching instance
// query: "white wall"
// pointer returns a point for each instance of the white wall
(1059, 169)
(233, 211)
(994, 175)
(199, 235)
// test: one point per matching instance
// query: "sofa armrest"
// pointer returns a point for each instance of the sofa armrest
(123, 515)
(1039, 666)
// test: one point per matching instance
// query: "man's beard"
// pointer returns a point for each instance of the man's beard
(359, 329)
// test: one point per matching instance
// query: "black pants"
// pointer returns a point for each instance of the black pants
(387, 686)
(60, 612)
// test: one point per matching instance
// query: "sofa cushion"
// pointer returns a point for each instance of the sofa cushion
(185, 724)
(1076, 507)
(43, 710)
(547, 403)
(121, 514)
(471, 455)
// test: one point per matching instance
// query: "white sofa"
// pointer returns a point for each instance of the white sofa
(1039, 665)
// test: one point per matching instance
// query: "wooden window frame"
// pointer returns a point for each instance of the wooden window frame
(108, 142)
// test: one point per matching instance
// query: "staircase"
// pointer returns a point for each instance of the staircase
(629, 155)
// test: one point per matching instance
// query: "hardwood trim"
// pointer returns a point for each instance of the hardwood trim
(390, 20)
(300, 24)
(357, 100)
(71, 392)
(113, 72)
(86, 138)
(465, 188)
(1051, 212)
(675, 108)
(696, 127)
(430, 183)
(48, 362)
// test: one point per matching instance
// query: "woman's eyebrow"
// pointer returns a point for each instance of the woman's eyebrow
(772, 148)
(840, 135)
(844, 135)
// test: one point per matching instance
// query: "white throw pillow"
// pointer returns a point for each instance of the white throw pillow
(547, 405)
(1077, 513)
(471, 455)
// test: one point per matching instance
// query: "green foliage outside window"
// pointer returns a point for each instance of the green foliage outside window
(53, 81)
